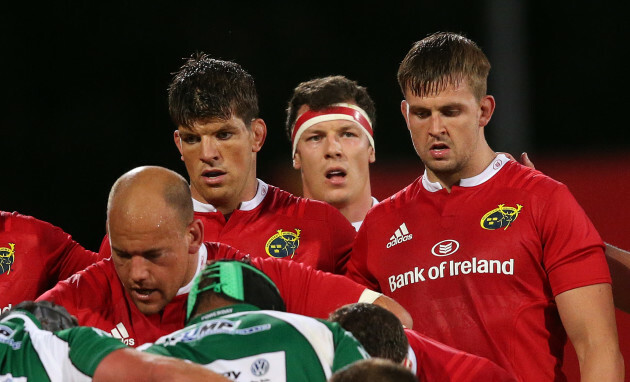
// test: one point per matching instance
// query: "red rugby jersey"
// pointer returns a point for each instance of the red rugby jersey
(97, 297)
(478, 268)
(34, 256)
(279, 224)
(436, 362)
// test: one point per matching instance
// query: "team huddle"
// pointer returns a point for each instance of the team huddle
(479, 270)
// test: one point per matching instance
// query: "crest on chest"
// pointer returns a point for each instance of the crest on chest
(283, 244)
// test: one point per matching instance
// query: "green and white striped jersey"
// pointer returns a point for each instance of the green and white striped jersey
(29, 353)
(247, 344)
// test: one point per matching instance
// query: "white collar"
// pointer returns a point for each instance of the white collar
(494, 167)
(248, 205)
(357, 225)
(202, 257)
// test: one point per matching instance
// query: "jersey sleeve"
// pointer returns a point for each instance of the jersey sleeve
(70, 257)
(308, 291)
(439, 362)
(357, 267)
(62, 294)
(573, 251)
(60, 255)
(342, 235)
(88, 347)
(83, 293)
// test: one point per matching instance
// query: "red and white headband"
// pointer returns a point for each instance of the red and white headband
(344, 111)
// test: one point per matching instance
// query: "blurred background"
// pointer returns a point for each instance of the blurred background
(84, 90)
(84, 85)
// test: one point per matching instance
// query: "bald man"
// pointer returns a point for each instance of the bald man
(163, 217)
(139, 294)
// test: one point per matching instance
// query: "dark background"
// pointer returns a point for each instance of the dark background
(84, 84)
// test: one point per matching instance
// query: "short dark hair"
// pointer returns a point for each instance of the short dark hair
(206, 88)
(51, 316)
(320, 93)
(441, 59)
(373, 370)
(377, 329)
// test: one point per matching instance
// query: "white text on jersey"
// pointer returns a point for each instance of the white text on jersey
(449, 269)
(401, 234)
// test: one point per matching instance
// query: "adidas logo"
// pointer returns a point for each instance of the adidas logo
(401, 234)
(122, 334)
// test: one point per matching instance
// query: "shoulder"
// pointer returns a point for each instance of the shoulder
(81, 334)
(399, 200)
(6, 216)
(515, 175)
(14, 221)
(91, 285)
(101, 270)
(217, 250)
(308, 326)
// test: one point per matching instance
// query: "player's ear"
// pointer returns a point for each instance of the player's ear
(372, 154)
(259, 133)
(297, 161)
(486, 106)
(195, 235)
(404, 109)
(178, 142)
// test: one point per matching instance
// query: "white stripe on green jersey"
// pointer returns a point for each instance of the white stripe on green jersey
(30, 353)
(250, 343)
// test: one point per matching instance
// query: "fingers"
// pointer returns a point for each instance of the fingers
(526, 161)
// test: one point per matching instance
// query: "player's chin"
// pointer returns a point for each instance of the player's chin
(440, 165)
(149, 308)
(337, 197)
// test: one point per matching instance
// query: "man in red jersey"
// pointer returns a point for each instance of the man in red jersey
(383, 336)
(139, 294)
(214, 105)
(488, 256)
(333, 148)
(330, 123)
(34, 256)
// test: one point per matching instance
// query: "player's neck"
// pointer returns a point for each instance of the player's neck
(356, 209)
(230, 203)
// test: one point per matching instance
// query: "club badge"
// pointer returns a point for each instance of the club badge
(283, 244)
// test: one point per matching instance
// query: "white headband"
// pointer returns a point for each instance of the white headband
(343, 111)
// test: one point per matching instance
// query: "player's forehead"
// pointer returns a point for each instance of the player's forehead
(304, 108)
(450, 95)
(211, 125)
(135, 221)
(336, 125)
(447, 90)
